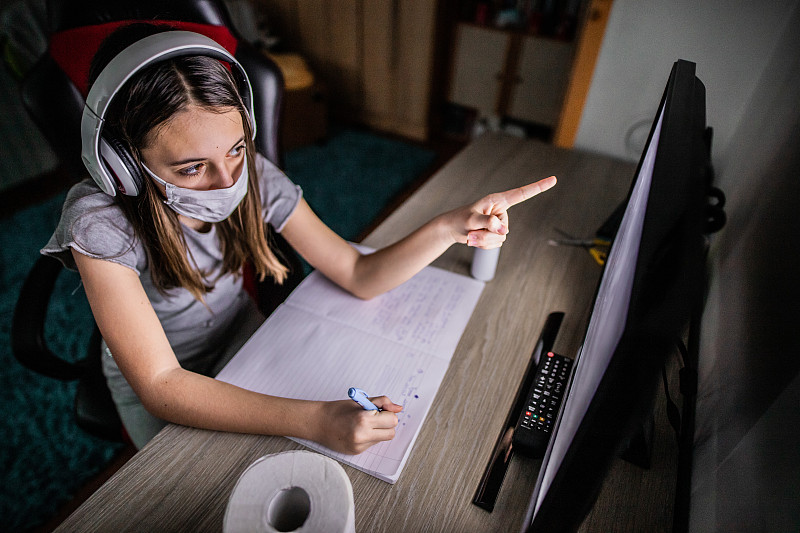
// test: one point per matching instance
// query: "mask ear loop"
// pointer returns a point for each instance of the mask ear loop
(170, 199)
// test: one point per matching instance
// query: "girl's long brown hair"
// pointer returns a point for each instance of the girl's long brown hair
(147, 102)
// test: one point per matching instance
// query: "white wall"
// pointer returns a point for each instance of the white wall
(729, 40)
(746, 473)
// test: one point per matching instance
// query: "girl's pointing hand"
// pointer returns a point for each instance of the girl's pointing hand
(484, 224)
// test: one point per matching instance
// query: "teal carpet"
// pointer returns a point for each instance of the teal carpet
(44, 456)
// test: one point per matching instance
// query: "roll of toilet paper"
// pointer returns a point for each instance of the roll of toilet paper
(298, 490)
(484, 263)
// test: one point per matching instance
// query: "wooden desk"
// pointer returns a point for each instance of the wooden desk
(181, 481)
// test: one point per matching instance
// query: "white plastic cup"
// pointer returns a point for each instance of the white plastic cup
(484, 263)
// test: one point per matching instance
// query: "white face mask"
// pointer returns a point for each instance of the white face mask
(213, 205)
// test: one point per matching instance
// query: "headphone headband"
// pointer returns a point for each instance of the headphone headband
(96, 150)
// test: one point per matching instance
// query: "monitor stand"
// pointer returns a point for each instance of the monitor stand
(638, 449)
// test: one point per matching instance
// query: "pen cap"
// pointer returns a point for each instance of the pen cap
(484, 263)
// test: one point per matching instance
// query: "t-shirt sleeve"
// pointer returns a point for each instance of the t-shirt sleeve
(94, 225)
(279, 195)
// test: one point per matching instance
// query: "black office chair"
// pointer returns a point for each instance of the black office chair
(53, 94)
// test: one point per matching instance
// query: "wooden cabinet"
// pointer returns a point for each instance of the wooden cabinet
(395, 64)
(478, 61)
(374, 57)
(522, 73)
(510, 74)
(538, 87)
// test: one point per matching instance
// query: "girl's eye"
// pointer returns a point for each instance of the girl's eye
(194, 170)
(237, 150)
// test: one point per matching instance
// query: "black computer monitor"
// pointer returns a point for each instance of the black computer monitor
(650, 285)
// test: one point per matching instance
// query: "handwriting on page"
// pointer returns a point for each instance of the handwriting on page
(428, 312)
(419, 314)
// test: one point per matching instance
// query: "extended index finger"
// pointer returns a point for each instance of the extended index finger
(520, 194)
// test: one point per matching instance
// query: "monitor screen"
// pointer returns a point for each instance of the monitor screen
(651, 277)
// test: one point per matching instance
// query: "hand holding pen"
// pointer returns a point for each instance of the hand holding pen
(351, 429)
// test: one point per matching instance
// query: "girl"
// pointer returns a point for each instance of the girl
(162, 269)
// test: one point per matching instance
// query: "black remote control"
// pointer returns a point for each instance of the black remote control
(536, 420)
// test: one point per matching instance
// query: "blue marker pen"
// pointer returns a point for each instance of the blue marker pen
(360, 397)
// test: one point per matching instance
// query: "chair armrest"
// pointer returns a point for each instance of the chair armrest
(27, 330)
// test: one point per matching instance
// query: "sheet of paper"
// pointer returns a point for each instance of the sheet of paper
(322, 341)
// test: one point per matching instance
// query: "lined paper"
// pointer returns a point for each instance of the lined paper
(322, 340)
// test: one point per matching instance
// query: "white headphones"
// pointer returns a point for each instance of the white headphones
(108, 160)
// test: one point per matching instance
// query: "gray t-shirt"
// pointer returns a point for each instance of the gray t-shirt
(94, 225)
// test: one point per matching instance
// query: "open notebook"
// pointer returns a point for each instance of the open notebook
(322, 341)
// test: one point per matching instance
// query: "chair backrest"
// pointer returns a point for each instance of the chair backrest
(54, 90)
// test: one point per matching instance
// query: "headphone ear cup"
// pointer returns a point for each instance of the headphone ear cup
(121, 165)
